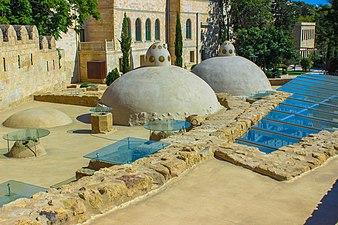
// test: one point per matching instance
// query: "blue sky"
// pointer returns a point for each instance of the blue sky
(314, 2)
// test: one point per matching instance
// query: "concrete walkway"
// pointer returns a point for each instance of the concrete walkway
(219, 193)
(64, 148)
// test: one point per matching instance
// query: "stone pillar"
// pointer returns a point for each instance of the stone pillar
(198, 38)
(101, 122)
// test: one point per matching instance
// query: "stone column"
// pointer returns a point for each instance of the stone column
(101, 122)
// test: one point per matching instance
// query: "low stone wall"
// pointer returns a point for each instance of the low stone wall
(287, 162)
(279, 81)
(110, 187)
(71, 97)
(77, 202)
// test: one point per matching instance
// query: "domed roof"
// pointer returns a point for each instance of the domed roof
(158, 55)
(40, 117)
(158, 92)
(227, 49)
(234, 75)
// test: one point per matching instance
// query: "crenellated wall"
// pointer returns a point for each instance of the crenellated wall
(28, 63)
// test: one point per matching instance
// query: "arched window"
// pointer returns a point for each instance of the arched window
(129, 27)
(157, 30)
(138, 29)
(148, 30)
(188, 29)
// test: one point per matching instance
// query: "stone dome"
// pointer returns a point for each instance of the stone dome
(227, 49)
(40, 117)
(158, 55)
(234, 75)
(158, 92)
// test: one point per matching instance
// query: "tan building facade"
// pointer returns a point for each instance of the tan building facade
(149, 21)
(304, 34)
(28, 63)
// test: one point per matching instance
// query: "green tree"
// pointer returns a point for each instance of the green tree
(125, 43)
(51, 17)
(285, 15)
(327, 33)
(178, 42)
(306, 64)
(250, 13)
(306, 12)
(271, 46)
(112, 76)
(5, 9)
(21, 12)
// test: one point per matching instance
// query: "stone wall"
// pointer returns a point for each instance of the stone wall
(72, 97)
(28, 63)
(69, 44)
(109, 27)
(110, 187)
(197, 11)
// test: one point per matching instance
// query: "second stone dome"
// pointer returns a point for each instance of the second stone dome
(232, 74)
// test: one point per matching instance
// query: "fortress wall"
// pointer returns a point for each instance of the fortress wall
(28, 63)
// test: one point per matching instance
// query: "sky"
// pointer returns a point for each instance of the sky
(314, 2)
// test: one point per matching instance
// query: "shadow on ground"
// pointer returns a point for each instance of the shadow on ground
(84, 118)
(79, 131)
(327, 212)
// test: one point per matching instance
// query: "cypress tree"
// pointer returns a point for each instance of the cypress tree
(125, 43)
(178, 42)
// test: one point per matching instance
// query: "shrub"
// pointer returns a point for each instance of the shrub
(306, 64)
(112, 76)
(84, 84)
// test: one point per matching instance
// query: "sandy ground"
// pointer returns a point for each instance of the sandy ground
(64, 149)
(219, 193)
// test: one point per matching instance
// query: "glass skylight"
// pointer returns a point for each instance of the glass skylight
(312, 107)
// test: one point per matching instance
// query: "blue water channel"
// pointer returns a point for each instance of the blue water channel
(312, 107)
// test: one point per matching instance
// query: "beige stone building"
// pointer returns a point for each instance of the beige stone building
(304, 34)
(149, 21)
(29, 63)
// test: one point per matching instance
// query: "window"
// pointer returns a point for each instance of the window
(53, 65)
(138, 30)
(31, 59)
(4, 62)
(192, 56)
(157, 30)
(188, 29)
(82, 35)
(47, 66)
(148, 30)
(19, 62)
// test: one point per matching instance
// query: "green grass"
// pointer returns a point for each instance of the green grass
(297, 72)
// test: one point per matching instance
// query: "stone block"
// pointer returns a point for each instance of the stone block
(97, 165)
(195, 120)
(25, 149)
(101, 122)
(83, 172)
